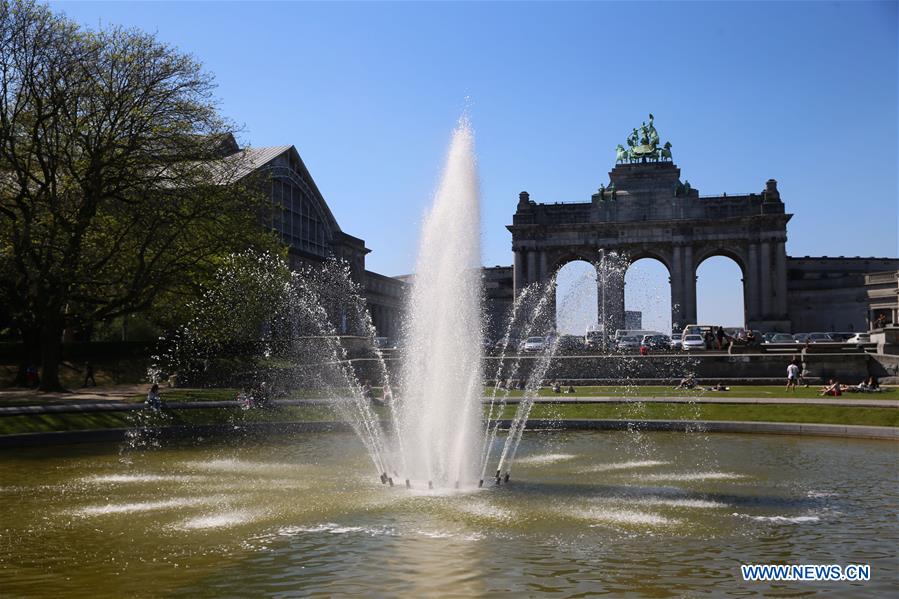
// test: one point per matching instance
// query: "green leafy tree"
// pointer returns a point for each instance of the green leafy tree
(120, 186)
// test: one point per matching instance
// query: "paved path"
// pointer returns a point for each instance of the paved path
(863, 401)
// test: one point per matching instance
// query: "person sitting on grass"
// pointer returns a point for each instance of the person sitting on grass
(869, 385)
(688, 382)
(833, 388)
(556, 387)
(720, 387)
(873, 385)
(570, 389)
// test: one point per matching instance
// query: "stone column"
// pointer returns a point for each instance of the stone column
(544, 268)
(689, 286)
(519, 277)
(532, 266)
(780, 281)
(676, 278)
(751, 291)
(766, 276)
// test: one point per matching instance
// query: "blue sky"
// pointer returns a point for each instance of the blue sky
(805, 93)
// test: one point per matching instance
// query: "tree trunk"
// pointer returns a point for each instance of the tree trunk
(31, 355)
(51, 352)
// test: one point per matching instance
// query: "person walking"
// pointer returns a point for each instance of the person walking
(154, 401)
(719, 337)
(792, 376)
(89, 375)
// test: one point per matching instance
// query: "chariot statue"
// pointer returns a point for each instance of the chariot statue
(643, 145)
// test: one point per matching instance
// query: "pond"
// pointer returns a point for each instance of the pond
(652, 514)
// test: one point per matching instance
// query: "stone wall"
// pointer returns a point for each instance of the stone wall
(828, 294)
(848, 368)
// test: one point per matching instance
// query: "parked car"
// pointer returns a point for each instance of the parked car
(676, 340)
(860, 338)
(534, 344)
(842, 337)
(656, 342)
(692, 343)
(629, 342)
(800, 337)
(779, 338)
(819, 338)
(571, 343)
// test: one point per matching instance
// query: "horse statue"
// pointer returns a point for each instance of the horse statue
(621, 155)
(666, 151)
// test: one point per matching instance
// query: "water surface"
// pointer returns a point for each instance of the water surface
(655, 515)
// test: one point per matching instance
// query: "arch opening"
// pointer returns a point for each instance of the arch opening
(720, 292)
(576, 298)
(647, 296)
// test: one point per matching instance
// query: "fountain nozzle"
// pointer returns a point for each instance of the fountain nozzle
(390, 481)
(408, 484)
(506, 479)
(430, 484)
(480, 483)
(384, 478)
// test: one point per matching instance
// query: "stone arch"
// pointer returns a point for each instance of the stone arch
(575, 296)
(558, 260)
(736, 253)
(652, 295)
(735, 259)
(659, 254)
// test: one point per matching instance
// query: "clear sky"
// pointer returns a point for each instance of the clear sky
(804, 93)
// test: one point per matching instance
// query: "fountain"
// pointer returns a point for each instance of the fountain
(442, 378)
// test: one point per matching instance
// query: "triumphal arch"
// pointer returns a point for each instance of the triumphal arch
(647, 211)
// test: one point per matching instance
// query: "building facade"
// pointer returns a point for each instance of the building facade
(310, 231)
(883, 299)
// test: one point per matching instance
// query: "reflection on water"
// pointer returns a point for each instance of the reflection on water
(586, 512)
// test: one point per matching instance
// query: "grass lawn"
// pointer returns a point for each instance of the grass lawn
(36, 423)
(746, 391)
(671, 411)
(749, 391)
